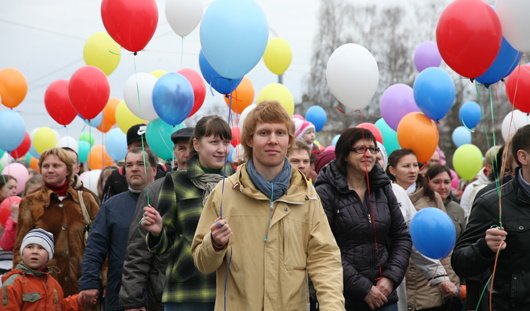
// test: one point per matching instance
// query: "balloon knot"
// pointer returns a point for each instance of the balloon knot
(472, 80)
(135, 53)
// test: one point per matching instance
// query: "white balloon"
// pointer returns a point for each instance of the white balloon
(244, 115)
(515, 23)
(352, 74)
(57, 135)
(142, 83)
(90, 180)
(183, 15)
(520, 119)
(69, 142)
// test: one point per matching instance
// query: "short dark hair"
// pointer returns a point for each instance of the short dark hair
(520, 141)
(434, 170)
(347, 139)
(208, 126)
(300, 145)
(151, 157)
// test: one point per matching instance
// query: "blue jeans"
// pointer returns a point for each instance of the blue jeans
(189, 306)
(392, 307)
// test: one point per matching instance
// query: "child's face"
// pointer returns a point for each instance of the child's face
(309, 136)
(35, 256)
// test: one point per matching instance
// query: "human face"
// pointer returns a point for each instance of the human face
(212, 151)
(309, 136)
(406, 171)
(35, 256)
(379, 157)
(300, 160)
(77, 166)
(445, 180)
(435, 159)
(269, 143)
(9, 189)
(54, 171)
(134, 165)
(182, 153)
(357, 161)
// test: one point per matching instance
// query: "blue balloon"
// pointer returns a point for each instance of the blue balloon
(32, 150)
(13, 130)
(231, 152)
(84, 149)
(173, 98)
(336, 139)
(93, 122)
(433, 233)
(434, 92)
(469, 114)
(234, 35)
(220, 84)
(116, 144)
(317, 116)
(503, 65)
(461, 136)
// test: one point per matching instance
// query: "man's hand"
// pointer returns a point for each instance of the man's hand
(375, 298)
(496, 238)
(138, 309)
(221, 232)
(88, 297)
(385, 286)
(152, 221)
(448, 289)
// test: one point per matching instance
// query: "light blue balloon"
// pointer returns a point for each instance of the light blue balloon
(158, 136)
(234, 35)
(173, 98)
(32, 150)
(469, 114)
(434, 92)
(317, 116)
(116, 144)
(13, 130)
(220, 84)
(231, 153)
(461, 136)
(84, 149)
(390, 140)
(94, 122)
(336, 139)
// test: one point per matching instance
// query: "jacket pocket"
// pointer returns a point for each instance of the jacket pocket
(31, 297)
(518, 235)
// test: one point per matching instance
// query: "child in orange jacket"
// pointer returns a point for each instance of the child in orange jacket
(29, 286)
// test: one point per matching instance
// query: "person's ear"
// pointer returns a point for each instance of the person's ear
(392, 170)
(523, 157)
(196, 144)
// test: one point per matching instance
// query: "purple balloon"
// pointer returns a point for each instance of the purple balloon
(427, 55)
(397, 101)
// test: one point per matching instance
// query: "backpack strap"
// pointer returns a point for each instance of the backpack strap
(86, 213)
(10, 281)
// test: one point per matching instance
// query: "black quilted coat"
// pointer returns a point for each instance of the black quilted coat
(351, 222)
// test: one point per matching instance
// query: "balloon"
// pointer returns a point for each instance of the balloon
(390, 141)
(352, 69)
(44, 139)
(242, 97)
(32, 150)
(461, 136)
(89, 91)
(434, 92)
(467, 161)
(23, 148)
(470, 114)
(125, 118)
(58, 103)
(199, 89)
(234, 36)
(84, 149)
(469, 37)
(455, 181)
(98, 158)
(13, 128)
(427, 55)
(116, 144)
(105, 126)
(102, 51)
(519, 120)
(277, 56)
(95, 122)
(90, 180)
(317, 116)
(397, 101)
(220, 84)
(173, 98)
(13, 87)
(244, 115)
(88, 137)
(138, 95)
(329, 148)
(521, 99)
(109, 112)
(514, 21)
(183, 15)
(502, 65)
(335, 139)
(2, 152)
(231, 152)
(277, 92)
(236, 136)
(158, 73)
(374, 129)
(131, 23)
(433, 233)
(5, 208)
(69, 142)
(419, 133)
(20, 172)
(158, 137)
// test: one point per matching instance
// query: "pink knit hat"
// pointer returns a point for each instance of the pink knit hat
(300, 127)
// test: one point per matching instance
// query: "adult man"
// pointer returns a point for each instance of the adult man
(280, 231)
(108, 236)
(490, 232)
(300, 158)
(75, 156)
(144, 271)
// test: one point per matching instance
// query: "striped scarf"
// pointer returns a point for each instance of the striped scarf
(206, 182)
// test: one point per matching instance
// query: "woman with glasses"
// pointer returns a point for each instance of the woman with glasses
(366, 221)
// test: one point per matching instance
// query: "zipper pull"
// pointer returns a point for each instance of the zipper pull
(369, 218)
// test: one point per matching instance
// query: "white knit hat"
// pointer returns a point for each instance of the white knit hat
(40, 237)
(300, 127)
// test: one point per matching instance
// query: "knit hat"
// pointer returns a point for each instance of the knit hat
(300, 127)
(383, 153)
(135, 133)
(324, 158)
(40, 237)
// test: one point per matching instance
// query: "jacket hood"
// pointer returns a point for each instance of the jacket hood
(330, 175)
(22, 267)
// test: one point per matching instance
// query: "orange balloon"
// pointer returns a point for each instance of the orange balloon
(98, 157)
(109, 112)
(419, 133)
(13, 87)
(242, 97)
(34, 163)
(105, 126)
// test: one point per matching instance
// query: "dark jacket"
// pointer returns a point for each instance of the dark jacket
(351, 222)
(143, 271)
(472, 256)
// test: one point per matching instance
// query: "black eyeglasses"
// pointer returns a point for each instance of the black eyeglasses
(361, 149)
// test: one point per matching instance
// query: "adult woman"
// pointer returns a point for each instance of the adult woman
(103, 178)
(403, 169)
(8, 186)
(180, 203)
(366, 221)
(58, 208)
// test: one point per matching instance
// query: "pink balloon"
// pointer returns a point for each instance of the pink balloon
(330, 148)
(455, 180)
(19, 172)
(83, 175)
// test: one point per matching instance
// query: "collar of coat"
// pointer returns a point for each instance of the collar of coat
(45, 193)
(22, 267)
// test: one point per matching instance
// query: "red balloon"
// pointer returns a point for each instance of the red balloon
(372, 128)
(469, 37)
(199, 88)
(23, 148)
(58, 103)
(236, 136)
(131, 23)
(5, 209)
(89, 91)
(521, 99)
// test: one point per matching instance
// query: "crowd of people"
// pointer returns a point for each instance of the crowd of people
(285, 226)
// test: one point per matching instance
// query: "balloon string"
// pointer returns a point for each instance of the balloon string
(464, 123)
(162, 137)
(496, 89)
(68, 140)
(182, 53)
(350, 112)
(211, 88)
(483, 291)
(494, 270)
(114, 53)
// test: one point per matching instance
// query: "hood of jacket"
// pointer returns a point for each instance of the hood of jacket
(25, 269)
(331, 175)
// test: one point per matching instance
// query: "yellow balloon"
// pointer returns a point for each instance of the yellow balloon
(44, 139)
(278, 55)
(158, 73)
(277, 92)
(102, 51)
(125, 118)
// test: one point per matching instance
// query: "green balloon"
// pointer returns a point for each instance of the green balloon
(158, 136)
(390, 140)
(467, 161)
(28, 158)
(84, 149)
(88, 137)
(2, 152)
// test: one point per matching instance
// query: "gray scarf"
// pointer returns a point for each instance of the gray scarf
(279, 184)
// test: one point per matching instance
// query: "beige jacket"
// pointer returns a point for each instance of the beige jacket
(270, 275)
